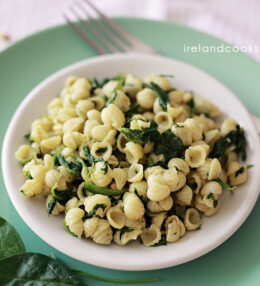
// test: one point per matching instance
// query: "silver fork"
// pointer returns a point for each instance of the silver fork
(96, 32)
(105, 36)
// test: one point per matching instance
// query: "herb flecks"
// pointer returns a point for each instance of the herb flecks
(210, 196)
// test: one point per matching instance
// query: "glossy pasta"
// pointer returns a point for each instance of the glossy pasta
(126, 159)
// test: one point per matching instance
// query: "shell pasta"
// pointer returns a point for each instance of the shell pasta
(126, 159)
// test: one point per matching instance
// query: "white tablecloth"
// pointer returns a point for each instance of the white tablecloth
(235, 21)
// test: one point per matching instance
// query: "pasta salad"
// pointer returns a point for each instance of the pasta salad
(126, 158)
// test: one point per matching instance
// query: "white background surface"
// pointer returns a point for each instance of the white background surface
(235, 21)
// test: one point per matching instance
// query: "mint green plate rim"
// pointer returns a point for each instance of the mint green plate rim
(27, 62)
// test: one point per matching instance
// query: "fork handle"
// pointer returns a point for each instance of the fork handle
(256, 121)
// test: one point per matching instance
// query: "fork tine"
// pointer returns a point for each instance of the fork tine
(94, 31)
(117, 28)
(115, 37)
(85, 37)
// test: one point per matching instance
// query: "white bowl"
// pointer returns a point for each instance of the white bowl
(215, 230)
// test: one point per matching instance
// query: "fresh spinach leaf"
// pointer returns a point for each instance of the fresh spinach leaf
(10, 241)
(35, 269)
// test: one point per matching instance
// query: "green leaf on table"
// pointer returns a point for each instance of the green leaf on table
(10, 241)
(37, 270)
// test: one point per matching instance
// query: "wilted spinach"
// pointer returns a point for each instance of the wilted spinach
(162, 94)
(236, 138)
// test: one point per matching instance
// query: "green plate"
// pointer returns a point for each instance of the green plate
(28, 62)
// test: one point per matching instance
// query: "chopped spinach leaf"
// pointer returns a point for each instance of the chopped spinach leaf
(148, 220)
(249, 166)
(73, 167)
(27, 136)
(161, 242)
(102, 190)
(88, 155)
(105, 168)
(176, 125)
(163, 164)
(22, 191)
(118, 86)
(134, 109)
(166, 75)
(61, 196)
(112, 98)
(192, 108)
(239, 171)
(162, 94)
(101, 150)
(225, 186)
(169, 145)
(125, 230)
(105, 98)
(28, 175)
(236, 138)
(142, 136)
(51, 205)
(67, 228)
(210, 196)
(97, 84)
(93, 212)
